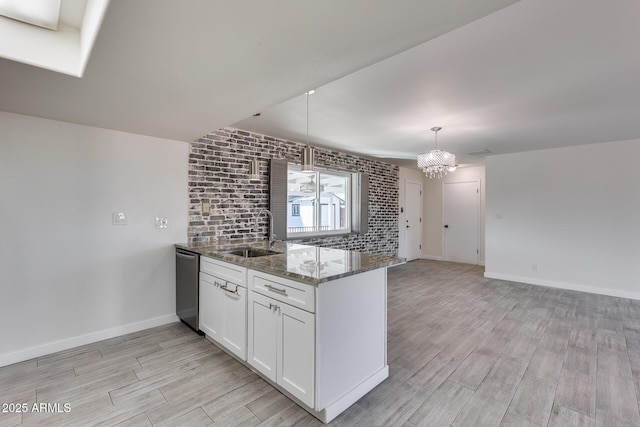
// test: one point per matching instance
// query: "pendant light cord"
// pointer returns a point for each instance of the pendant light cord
(307, 118)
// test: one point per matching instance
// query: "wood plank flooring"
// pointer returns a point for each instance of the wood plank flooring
(463, 351)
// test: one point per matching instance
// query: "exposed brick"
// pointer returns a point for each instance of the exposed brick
(218, 164)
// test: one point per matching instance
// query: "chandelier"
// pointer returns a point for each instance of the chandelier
(436, 163)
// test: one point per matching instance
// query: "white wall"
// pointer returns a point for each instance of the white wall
(572, 212)
(406, 174)
(432, 229)
(67, 276)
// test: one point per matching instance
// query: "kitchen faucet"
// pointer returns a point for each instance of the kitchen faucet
(272, 237)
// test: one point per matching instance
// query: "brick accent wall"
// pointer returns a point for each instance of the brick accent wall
(218, 174)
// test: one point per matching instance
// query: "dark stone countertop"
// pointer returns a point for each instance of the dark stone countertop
(303, 263)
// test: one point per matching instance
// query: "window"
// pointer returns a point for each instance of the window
(319, 202)
(324, 202)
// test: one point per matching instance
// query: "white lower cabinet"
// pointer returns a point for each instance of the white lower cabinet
(223, 313)
(282, 345)
(210, 306)
(234, 320)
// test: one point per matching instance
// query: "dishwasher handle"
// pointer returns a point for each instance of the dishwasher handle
(185, 255)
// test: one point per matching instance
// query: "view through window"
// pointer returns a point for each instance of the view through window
(318, 202)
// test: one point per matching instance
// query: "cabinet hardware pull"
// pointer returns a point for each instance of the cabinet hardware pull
(276, 290)
(224, 288)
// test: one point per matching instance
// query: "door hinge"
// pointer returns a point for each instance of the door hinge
(477, 251)
(420, 247)
(421, 192)
(420, 219)
(477, 190)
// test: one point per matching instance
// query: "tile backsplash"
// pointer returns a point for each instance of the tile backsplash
(218, 175)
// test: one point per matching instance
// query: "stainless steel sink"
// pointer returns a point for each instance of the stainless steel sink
(250, 252)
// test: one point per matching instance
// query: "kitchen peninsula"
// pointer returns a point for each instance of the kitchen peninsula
(310, 320)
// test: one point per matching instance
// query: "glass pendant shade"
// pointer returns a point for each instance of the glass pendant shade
(307, 159)
(254, 170)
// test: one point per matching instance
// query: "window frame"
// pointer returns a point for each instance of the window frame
(349, 201)
(278, 188)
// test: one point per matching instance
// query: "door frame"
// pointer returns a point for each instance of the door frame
(405, 240)
(478, 217)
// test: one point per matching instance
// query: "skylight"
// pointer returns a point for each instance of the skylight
(43, 13)
(25, 35)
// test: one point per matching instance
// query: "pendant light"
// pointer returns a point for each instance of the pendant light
(436, 163)
(306, 157)
(254, 168)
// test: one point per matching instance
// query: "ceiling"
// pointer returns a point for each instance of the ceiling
(503, 75)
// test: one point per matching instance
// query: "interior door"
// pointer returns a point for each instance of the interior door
(461, 205)
(413, 220)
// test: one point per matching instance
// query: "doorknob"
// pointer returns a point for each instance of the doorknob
(446, 226)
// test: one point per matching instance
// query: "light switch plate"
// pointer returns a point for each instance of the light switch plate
(119, 218)
(162, 222)
(206, 208)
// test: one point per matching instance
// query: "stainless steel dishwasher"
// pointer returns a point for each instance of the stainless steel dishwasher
(187, 271)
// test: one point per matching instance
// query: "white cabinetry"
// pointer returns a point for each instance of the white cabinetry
(281, 345)
(323, 345)
(210, 306)
(223, 305)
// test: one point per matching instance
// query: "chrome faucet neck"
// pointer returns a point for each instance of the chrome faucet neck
(272, 237)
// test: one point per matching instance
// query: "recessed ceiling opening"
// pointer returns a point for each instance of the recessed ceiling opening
(43, 13)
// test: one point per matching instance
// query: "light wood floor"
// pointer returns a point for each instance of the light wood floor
(463, 351)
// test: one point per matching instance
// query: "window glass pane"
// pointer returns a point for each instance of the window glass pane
(301, 201)
(334, 201)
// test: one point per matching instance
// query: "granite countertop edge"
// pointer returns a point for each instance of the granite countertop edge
(262, 264)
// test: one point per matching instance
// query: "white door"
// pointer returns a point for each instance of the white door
(413, 220)
(461, 204)
(234, 319)
(296, 352)
(263, 335)
(210, 305)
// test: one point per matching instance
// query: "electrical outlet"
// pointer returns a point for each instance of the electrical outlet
(162, 222)
(119, 218)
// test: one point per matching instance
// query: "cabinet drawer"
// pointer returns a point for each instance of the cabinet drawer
(224, 270)
(291, 292)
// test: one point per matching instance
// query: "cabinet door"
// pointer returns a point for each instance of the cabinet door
(210, 305)
(263, 324)
(234, 319)
(296, 352)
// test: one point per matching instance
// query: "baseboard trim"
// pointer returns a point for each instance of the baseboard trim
(563, 285)
(55, 346)
(431, 257)
(340, 405)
